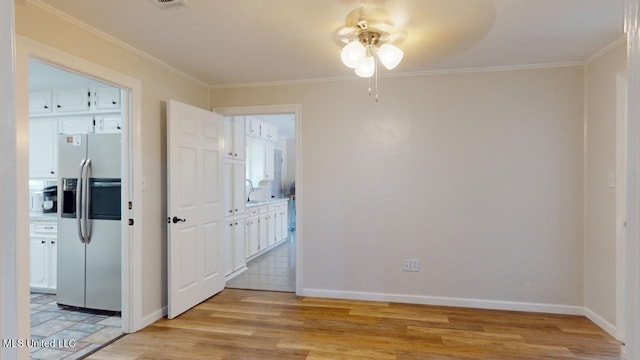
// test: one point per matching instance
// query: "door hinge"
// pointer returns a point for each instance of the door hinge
(130, 205)
(130, 222)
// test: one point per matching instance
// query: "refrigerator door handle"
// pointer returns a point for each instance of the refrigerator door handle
(87, 202)
(79, 191)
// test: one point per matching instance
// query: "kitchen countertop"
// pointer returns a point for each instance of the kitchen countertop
(251, 204)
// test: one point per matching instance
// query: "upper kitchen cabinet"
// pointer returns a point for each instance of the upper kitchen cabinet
(40, 102)
(105, 98)
(260, 163)
(234, 137)
(252, 126)
(75, 101)
(76, 125)
(71, 100)
(268, 132)
(43, 149)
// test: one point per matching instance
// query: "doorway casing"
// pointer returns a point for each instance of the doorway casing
(131, 163)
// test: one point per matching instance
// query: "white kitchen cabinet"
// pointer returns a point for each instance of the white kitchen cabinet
(234, 240)
(43, 148)
(252, 126)
(76, 125)
(233, 176)
(271, 228)
(263, 232)
(43, 257)
(268, 132)
(105, 98)
(39, 254)
(268, 161)
(282, 226)
(40, 102)
(252, 239)
(260, 162)
(108, 124)
(71, 100)
(234, 137)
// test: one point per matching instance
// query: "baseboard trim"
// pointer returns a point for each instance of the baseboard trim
(601, 322)
(448, 301)
(153, 317)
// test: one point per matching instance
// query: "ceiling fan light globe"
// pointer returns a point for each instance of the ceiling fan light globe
(390, 56)
(366, 67)
(352, 54)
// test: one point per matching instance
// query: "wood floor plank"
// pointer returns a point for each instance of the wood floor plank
(245, 324)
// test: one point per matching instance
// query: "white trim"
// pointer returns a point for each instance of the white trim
(79, 23)
(282, 109)
(402, 74)
(621, 199)
(14, 290)
(447, 301)
(153, 317)
(605, 50)
(131, 235)
(601, 322)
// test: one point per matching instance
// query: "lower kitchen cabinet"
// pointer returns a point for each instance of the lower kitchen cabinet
(266, 226)
(252, 237)
(234, 244)
(43, 257)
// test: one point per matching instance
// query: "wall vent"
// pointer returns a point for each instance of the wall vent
(171, 4)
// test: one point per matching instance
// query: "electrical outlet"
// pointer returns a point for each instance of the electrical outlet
(407, 265)
(415, 265)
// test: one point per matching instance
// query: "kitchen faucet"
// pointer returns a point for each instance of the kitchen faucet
(252, 188)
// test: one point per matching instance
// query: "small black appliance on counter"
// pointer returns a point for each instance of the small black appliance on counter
(50, 199)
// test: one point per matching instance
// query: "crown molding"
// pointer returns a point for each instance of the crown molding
(402, 74)
(605, 50)
(74, 21)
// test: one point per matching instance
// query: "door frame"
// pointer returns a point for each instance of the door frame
(621, 200)
(131, 163)
(282, 109)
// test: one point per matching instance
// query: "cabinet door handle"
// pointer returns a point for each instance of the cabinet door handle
(114, 103)
(230, 153)
(42, 242)
(58, 106)
(230, 224)
(46, 107)
(53, 242)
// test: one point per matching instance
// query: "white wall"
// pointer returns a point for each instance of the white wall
(478, 175)
(600, 231)
(158, 85)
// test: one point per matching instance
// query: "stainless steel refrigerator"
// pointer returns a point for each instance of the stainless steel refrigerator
(89, 214)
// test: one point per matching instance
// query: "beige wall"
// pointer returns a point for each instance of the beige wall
(158, 85)
(477, 175)
(600, 232)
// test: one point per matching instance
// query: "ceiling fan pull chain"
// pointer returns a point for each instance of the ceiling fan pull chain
(376, 65)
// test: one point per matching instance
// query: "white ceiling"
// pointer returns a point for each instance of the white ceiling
(227, 43)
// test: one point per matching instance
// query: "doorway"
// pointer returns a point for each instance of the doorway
(75, 276)
(270, 191)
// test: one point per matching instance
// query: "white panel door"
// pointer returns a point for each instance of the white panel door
(194, 205)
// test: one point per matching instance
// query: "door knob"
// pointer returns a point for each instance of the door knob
(177, 220)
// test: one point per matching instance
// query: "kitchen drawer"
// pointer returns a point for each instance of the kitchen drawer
(263, 209)
(253, 211)
(44, 228)
(271, 208)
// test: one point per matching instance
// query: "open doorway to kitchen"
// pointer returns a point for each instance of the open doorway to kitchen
(265, 222)
(75, 211)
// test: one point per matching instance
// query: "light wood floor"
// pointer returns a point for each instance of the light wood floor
(246, 324)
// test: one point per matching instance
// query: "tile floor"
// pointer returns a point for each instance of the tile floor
(274, 270)
(60, 327)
